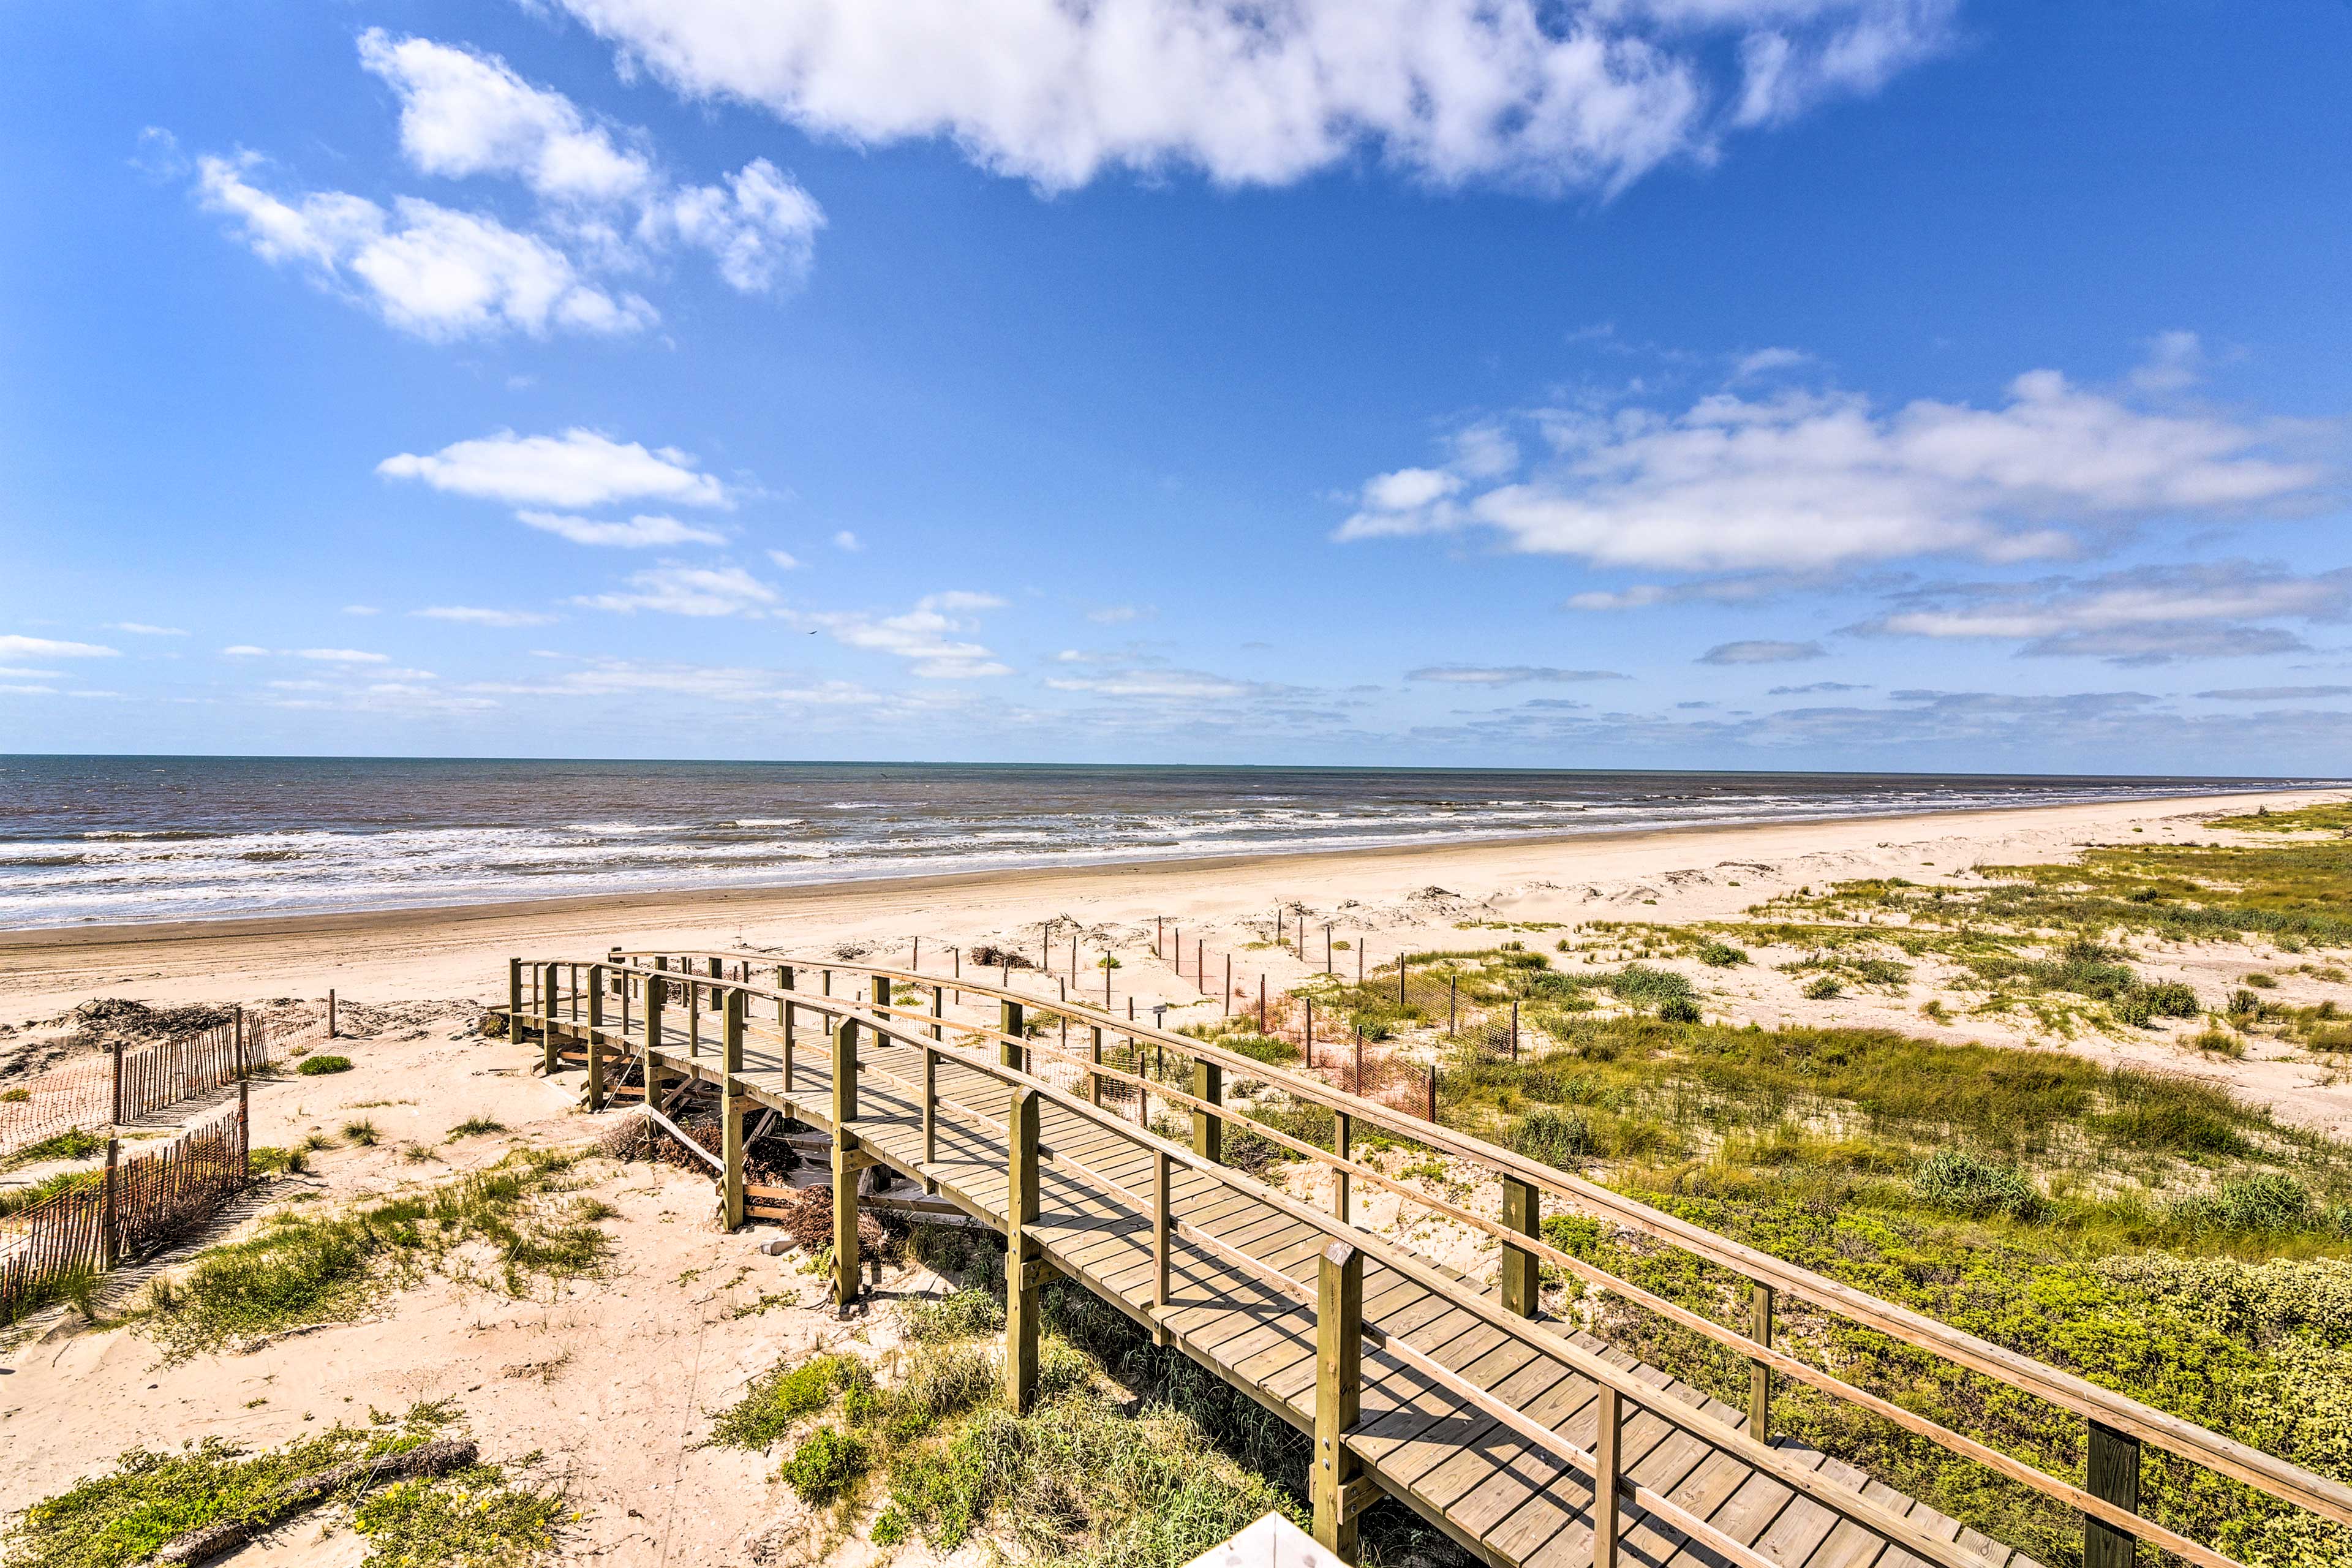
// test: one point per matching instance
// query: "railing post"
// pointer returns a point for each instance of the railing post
(656, 990)
(1606, 1453)
(623, 977)
(546, 1037)
(1522, 1284)
(1207, 1126)
(237, 1022)
(595, 1090)
(2111, 1475)
(881, 990)
(930, 1117)
(1010, 1024)
(938, 1012)
(693, 1015)
(844, 1168)
(1338, 1394)
(1022, 1264)
(730, 1108)
(114, 1116)
(514, 999)
(1163, 1233)
(1760, 1376)
(330, 1012)
(547, 1009)
(1343, 1130)
(1094, 1078)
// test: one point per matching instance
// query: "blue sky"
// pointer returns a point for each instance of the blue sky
(1807, 383)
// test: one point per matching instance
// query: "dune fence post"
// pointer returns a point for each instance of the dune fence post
(1339, 1395)
(110, 1242)
(330, 1013)
(514, 999)
(1022, 1262)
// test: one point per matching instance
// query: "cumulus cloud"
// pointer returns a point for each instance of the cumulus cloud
(786, 560)
(636, 533)
(141, 628)
(427, 270)
(602, 204)
(2141, 616)
(1761, 650)
(844, 539)
(931, 636)
(578, 468)
(473, 615)
(1160, 685)
(1505, 674)
(1801, 481)
(14, 647)
(1814, 689)
(1513, 90)
(700, 591)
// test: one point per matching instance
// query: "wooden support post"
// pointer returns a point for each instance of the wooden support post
(828, 981)
(655, 996)
(844, 1168)
(1208, 1127)
(547, 1010)
(1261, 1004)
(732, 1103)
(938, 1012)
(693, 1017)
(2111, 1475)
(330, 1012)
(1399, 980)
(1225, 1003)
(1163, 1235)
(1432, 1117)
(244, 1131)
(1515, 1037)
(111, 1241)
(1022, 1264)
(1094, 1080)
(1606, 1454)
(595, 1090)
(930, 1116)
(547, 1043)
(623, 978)
(114, 1116)
(514, 999)
(237, 1022)
(1760, 1376)
(1338, 1394)
(1010, 1024)
(881, 988)
(1343, 1137)
(1522, 1208)
(1452, 1003)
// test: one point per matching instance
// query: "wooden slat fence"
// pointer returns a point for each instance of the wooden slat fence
(130, 1208)
(131, 1083)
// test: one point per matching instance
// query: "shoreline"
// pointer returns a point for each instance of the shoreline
(392, 919)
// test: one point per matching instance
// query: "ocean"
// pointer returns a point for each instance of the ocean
(118, 839)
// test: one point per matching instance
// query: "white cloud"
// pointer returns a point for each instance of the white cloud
(704, 590)
(1761, 650)
(847, 540)
(926, 635)
(1763, 362)
(429, 270)
(1116, 615)
(1160, 685)
(786, 560)
(1505, 674)
(2276, 694)
(343, 655)
(578, 468)
(1801, 481)
(2143, 615)
(471, 615)
(244, 650)
(464, 113)
(12, 647)
(760, 227)
(141, 628)
(2174, 360)
(638, 533)
(1459, 90)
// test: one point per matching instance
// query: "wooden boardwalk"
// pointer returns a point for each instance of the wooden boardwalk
(1523, 1441)
(1461, 1470)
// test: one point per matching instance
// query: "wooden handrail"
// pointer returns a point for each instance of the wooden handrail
(2263, 1471)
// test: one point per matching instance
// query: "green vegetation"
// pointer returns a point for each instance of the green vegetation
(1090, 1478)
(15, 1200)
(475, 1518)
(474, 1127)
(303, 1267)
(320, 1066)
(266, 1161)
(71, 1144)
(2331, 817)
(361, 1133)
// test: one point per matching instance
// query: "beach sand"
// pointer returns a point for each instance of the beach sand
(615, 1378)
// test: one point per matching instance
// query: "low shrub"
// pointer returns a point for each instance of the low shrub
(1960, 1182)
(827, 1464)
(321, 1065)
(1555, 1136)
(1721, 955)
